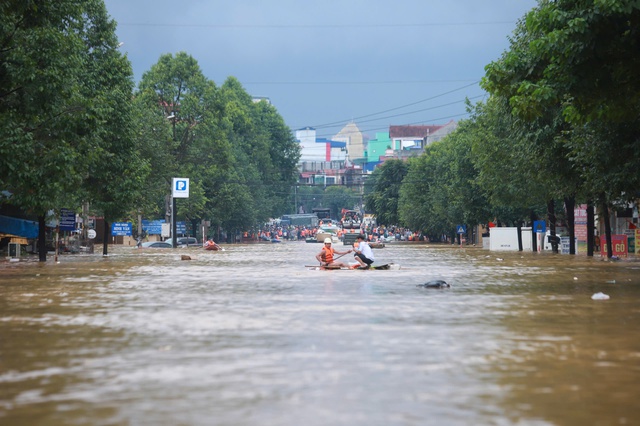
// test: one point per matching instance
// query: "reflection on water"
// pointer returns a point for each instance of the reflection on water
(250, 336)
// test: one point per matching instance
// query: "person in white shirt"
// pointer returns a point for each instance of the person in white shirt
(364, 254)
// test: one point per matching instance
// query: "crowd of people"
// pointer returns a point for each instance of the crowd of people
(372, 233)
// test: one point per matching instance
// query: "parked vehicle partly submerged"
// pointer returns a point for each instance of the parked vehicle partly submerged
(155, 244)
(183, 241)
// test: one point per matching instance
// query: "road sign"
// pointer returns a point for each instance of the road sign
(121, 229)
(461, 229)
(540, 226)
(67, 220)
(180, 188)
(152, 227)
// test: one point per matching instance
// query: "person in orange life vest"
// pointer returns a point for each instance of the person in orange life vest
(325, 257)
(213, 244)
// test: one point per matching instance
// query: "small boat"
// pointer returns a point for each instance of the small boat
(211, 245)
(384, 267)
(376, 244)
(276, 240)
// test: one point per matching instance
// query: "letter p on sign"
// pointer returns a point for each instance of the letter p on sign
(180, 188)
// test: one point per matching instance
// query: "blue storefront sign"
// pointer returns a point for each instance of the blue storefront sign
(181, 228)
(121, 229)
(152, 227)
(67, 220)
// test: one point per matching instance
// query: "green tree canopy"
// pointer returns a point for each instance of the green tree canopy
(383, 191)
(65, 91)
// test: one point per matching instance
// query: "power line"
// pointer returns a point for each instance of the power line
(336, 123)
(449, 117)
(420, 110)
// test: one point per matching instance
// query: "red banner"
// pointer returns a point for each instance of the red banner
(619, 245)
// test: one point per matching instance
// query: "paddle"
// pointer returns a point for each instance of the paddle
(335, 258)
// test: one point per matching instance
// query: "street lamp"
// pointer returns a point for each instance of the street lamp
(173, 118)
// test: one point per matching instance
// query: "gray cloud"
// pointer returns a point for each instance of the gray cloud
(330, 61)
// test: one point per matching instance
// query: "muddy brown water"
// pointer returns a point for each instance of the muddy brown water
(249, 336)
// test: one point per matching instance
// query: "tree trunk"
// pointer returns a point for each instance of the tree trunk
(607, 226)
(534, 239)
(569, 205)
(42, 239)
(194, 228)
(590, 229)
(107, 237)
(551, 214)
(519, 231)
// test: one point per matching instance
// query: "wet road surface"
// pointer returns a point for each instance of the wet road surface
(249, 336)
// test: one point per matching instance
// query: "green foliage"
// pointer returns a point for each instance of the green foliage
(65, 110)
(239, 155)
(578, 59)
(310, 197)
(338, 197)
(383, 190)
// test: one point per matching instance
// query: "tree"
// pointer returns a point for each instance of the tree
(583, 57)
(114, 181)
(309, 197)
(337, 197)
(179, 112)
(55, 87)
(239, 155)
(265, 152)
(384, 191)
(425, 199)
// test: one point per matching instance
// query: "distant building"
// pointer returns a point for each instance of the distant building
(355, 140)
(324, 161)
(319, 154)
(418, 137)
(377, 147)
(406, 141)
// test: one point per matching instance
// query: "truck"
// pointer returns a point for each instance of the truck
(306, 219)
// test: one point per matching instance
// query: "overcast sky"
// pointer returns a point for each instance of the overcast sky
(325, 63)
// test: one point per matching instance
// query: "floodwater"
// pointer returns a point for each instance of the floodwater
(249, 336)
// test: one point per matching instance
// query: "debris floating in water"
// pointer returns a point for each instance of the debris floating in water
(435, 284)
(600, 296)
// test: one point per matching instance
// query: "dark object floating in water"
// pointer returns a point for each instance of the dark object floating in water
(435, 284)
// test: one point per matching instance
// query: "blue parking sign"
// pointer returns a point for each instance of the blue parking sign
(180, 188)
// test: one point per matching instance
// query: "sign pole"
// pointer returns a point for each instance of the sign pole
(179, 189)
(461, 230)
(174, 240)
(55, 258)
